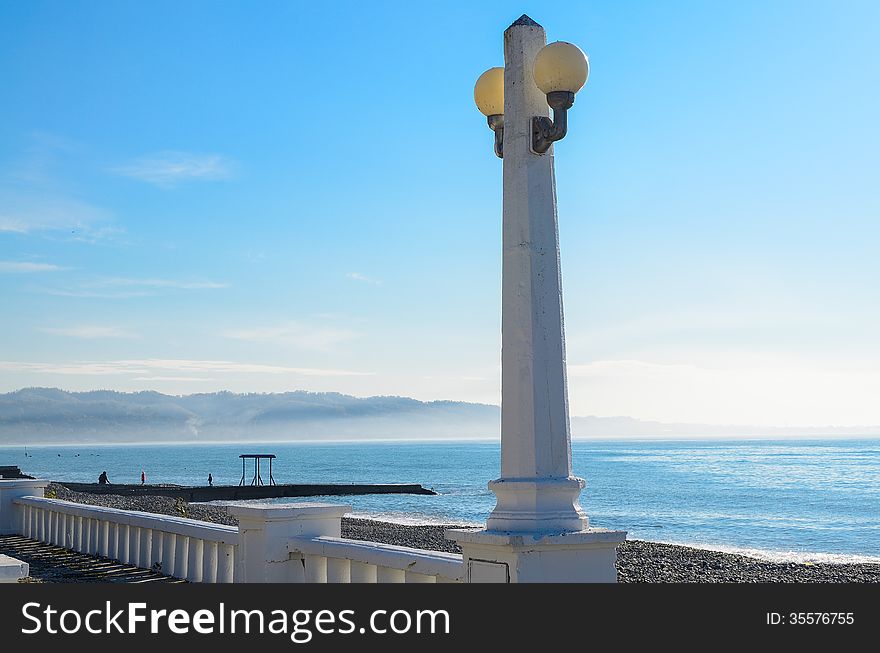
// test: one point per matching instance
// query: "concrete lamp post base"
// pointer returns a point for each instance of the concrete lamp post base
(586, 556)
(544, 505)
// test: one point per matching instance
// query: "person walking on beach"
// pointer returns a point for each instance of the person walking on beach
(210, 480)
(103, 480)
(143, 477)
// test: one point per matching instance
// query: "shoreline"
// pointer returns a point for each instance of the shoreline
(638, 561)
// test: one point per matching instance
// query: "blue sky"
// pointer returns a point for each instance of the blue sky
(279, 195)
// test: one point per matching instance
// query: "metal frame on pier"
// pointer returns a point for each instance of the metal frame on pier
(257, 457)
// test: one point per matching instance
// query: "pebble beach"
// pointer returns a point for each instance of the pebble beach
(637, 562)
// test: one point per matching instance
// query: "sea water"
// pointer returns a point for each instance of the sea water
(784, 500)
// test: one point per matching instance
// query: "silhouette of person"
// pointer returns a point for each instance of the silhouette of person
(210, 480)
(143, 477)
(103, 480)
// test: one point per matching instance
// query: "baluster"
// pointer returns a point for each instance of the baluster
(415, 577)
(66, 531)
(94, 536)
(22, 520)
(113, 541)
(53, 528)
(134, 545)
(316, 569)
(338, 570)
(28, 522)
(169, 545)
(146, 549)
(87, 535)
(77, 533)
(389, 575)
(181, 556)
(209, 564)
(103, 538)
(122, 553)
(226, 563)
(194, 564)
(363, 573)
(156, 545)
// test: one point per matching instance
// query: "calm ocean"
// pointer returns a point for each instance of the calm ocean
(798, 500)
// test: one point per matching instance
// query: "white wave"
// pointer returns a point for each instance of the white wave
(800, 557)
(406, 519)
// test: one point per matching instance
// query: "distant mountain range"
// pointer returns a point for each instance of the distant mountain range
(49, 415)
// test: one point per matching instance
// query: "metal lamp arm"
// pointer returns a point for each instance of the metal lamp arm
(496, 124)
(545, 132)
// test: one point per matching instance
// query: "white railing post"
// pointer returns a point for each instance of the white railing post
(209, 562)
(264, 532)
(156, 553)
(226, 563)
(113, 541)
(389, 575)
(181, 554)
(194, 564)
(315, 569)
(169, 547)
(146, 549)
(362, 572)
(122, 544)
(77, 533)
(338, 570)
(86, 535)
(51, 530)
(134, 545)
(94, 532)
(13, 488)
(103, 538)
(413, 577)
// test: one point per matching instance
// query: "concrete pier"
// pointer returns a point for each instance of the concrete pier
(241, 492)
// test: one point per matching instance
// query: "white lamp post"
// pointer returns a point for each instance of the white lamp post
(537, 531)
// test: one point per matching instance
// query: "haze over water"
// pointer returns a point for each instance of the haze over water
(788, 499)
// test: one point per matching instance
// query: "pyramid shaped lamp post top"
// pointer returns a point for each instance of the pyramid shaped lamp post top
(525, 21)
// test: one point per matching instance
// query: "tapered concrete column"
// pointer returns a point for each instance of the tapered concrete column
(537, 531)
(536, 490)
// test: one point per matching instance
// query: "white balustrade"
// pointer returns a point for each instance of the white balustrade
(339, 560)
(184, 548)
(292, 543)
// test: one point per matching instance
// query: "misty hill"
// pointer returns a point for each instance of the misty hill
(49, 415)
(34, 415)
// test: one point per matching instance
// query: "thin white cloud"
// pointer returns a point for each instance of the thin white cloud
(155, 366)
(25, 267)
(357, 276)
(91, 294)
(174, 378)
(158, 283)
(13, 225)
(170, 168)
(40, 211)
(294, 334)
(125, 288)
(91, 332)
(36, 197)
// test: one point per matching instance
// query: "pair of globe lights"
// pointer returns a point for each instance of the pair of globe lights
(561, 70)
